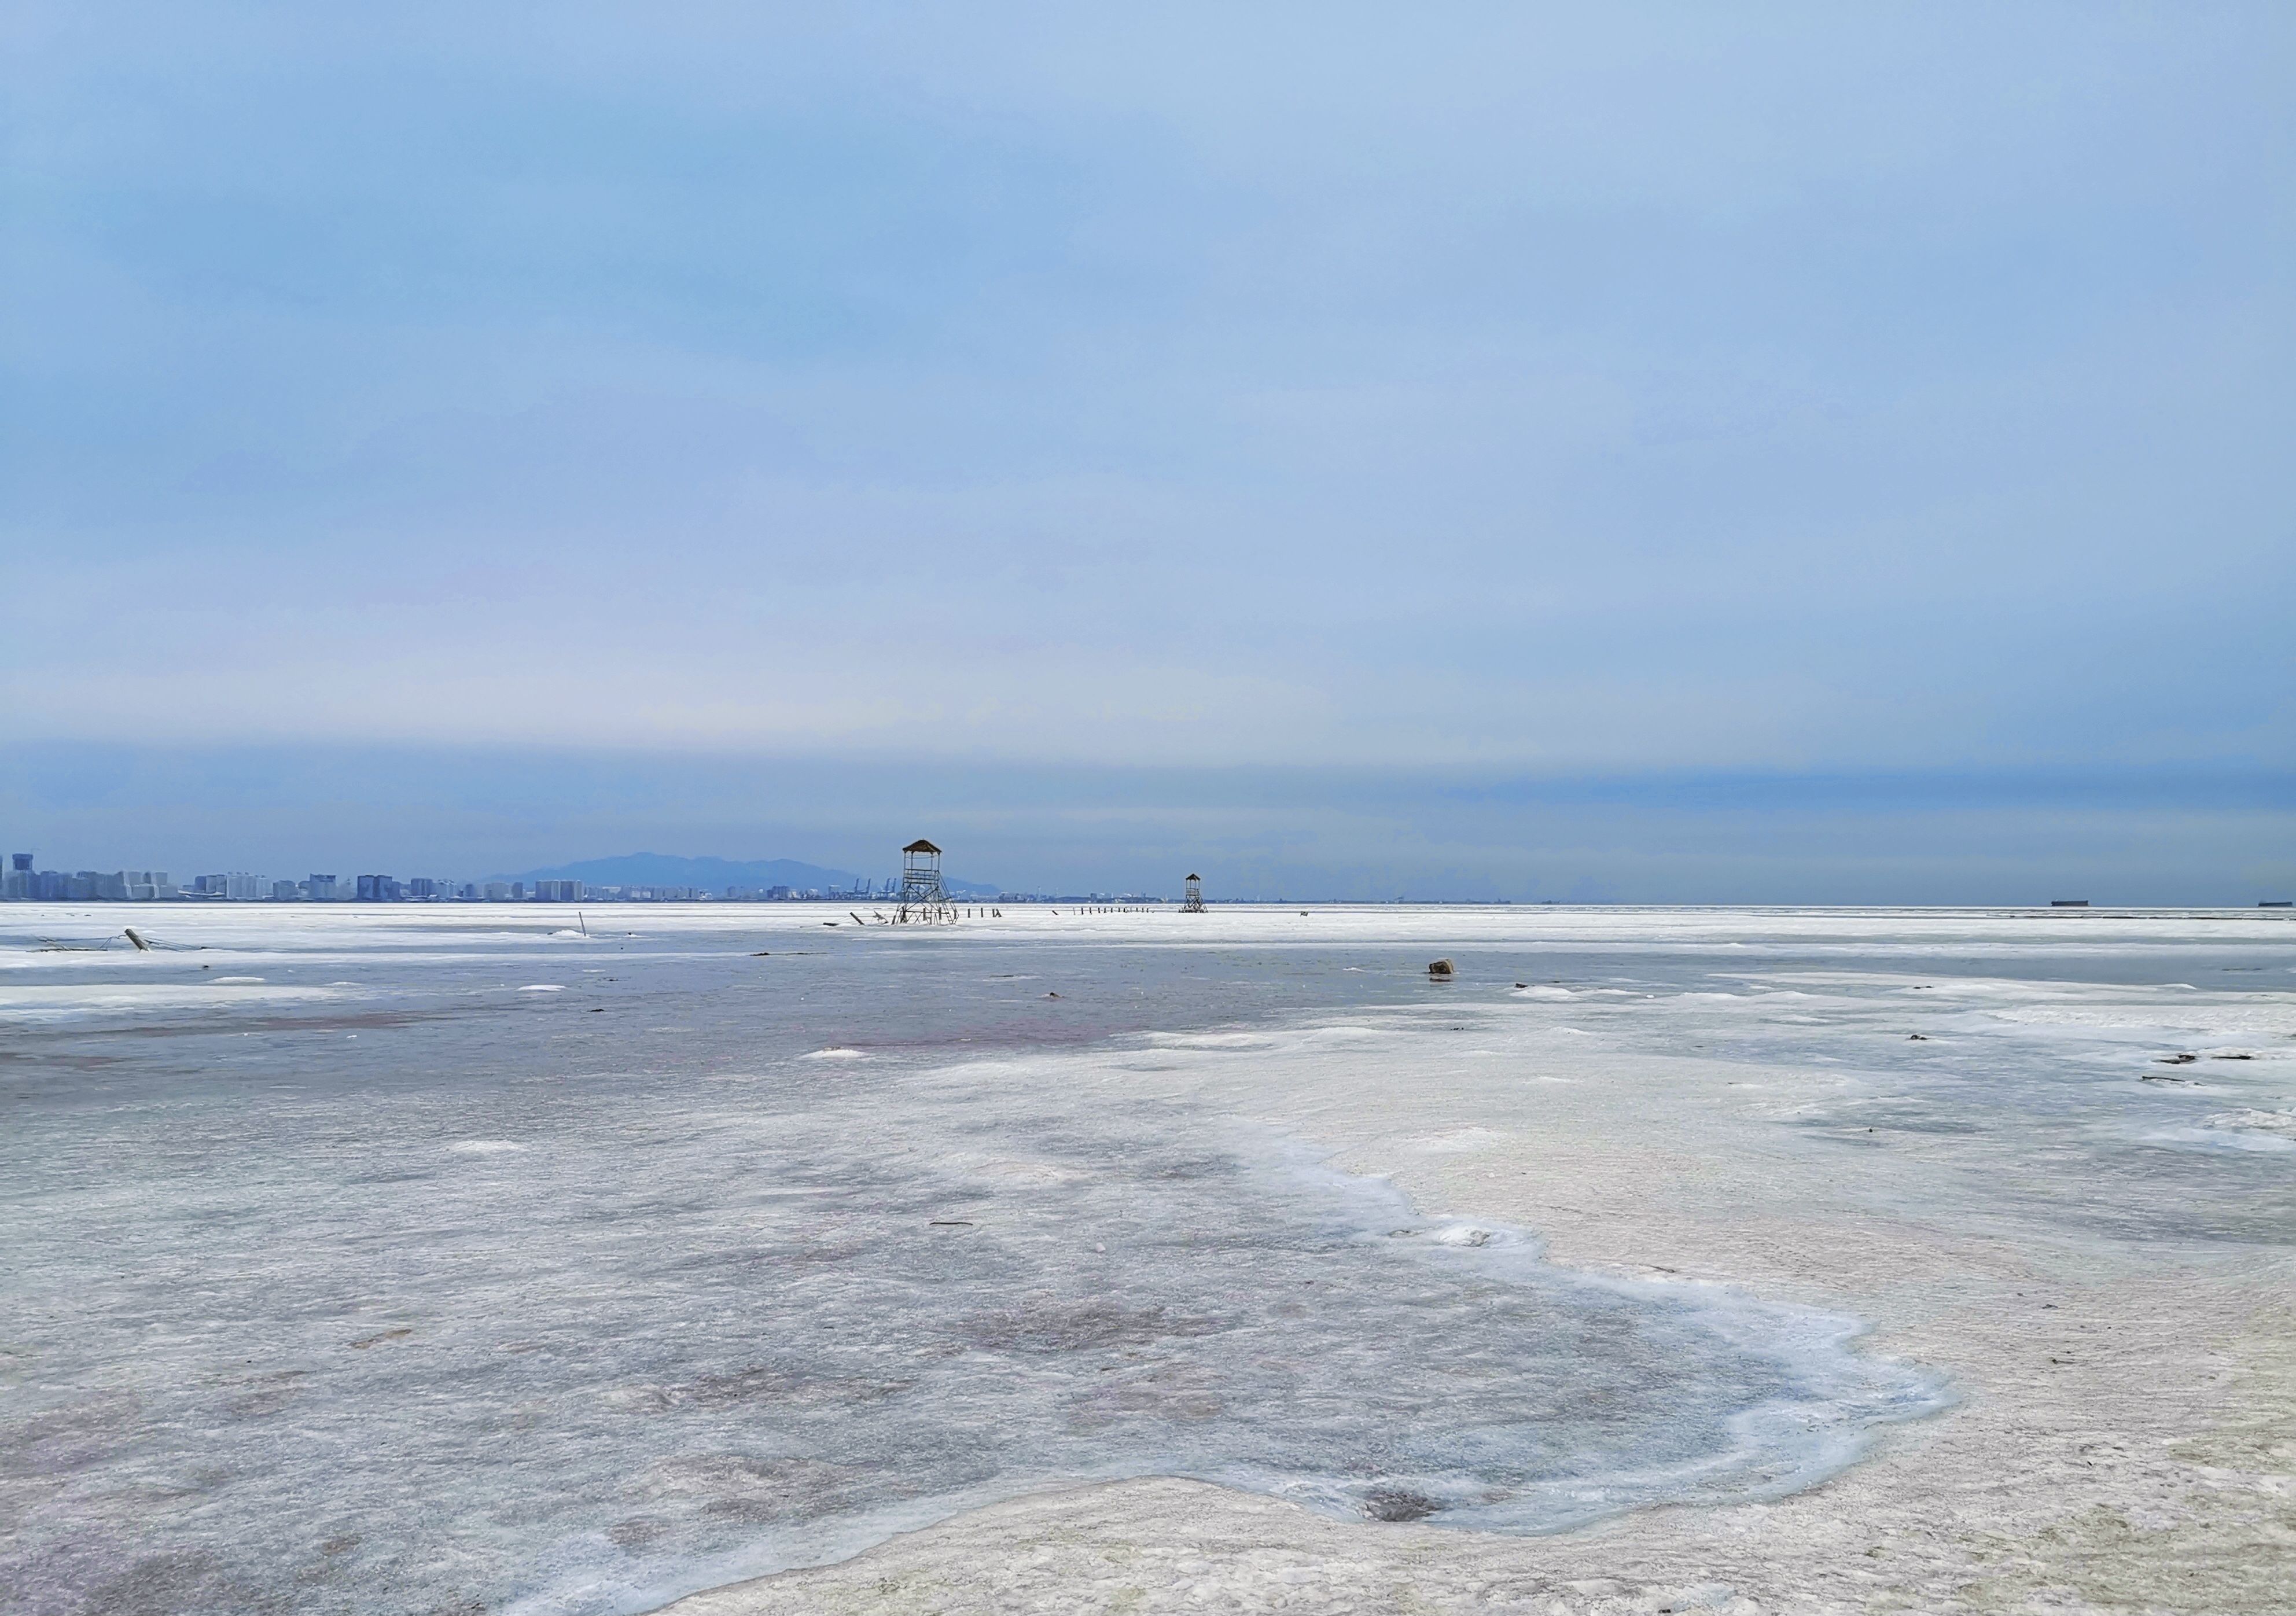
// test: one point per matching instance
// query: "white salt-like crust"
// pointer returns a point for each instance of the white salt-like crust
(2128, 1428)
(2126, 1424)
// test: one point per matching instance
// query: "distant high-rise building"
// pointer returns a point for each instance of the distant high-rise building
(320, 888)
(497, 891)
(423, 886)
(378, 889)
(240, 886)
(21, 883)
(558, 891)
(285, 892)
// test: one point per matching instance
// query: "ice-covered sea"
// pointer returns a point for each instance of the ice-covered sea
(431, 1257)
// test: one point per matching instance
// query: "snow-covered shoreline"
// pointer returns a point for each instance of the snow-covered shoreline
(2127, 1395)
(2045, 1157)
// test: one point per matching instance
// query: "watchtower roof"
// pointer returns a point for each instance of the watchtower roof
(921, 846)
(1195, 878)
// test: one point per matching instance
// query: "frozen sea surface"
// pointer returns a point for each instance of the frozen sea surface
(346, 1271)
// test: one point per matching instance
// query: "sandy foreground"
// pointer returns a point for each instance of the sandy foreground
(2124, 1440)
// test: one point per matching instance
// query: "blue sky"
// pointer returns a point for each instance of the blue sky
(1378, 449)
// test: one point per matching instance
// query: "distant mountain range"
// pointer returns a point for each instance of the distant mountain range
(715, 875)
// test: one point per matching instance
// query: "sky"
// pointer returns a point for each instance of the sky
(1631, 452)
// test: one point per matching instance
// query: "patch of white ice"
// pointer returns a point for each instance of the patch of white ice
(2279, 1124)
(1459, 1140)
(2243, 1130)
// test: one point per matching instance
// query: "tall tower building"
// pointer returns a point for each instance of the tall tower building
(922, 899)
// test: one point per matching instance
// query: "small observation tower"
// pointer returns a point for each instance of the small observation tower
(1195, 904)
(923, 902)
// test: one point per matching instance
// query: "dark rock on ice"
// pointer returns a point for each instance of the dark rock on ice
(1398, 1503)
(386, 1335)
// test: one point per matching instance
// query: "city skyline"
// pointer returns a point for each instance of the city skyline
(2167, 836)
(21, 882)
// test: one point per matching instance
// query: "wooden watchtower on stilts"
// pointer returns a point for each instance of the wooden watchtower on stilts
(922, 900)
(1195, 904)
